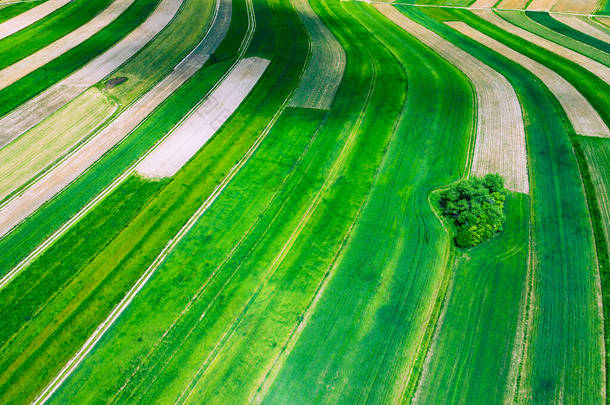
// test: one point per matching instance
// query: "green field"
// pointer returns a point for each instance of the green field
(300, 255)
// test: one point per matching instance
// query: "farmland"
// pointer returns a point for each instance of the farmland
(237, 201)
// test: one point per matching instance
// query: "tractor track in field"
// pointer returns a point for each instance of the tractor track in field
(141, 282)
(333, 174)
(29, 17)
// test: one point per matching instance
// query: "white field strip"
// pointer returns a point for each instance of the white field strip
(500, 140)
(325, 66)
(541, 5)
(27, 65)
(484, 3)
(584, 118)
(600, 70)
(577, 6)
(29, 17)
(194, 132)
(23, 205)
(583, 26)
(36, 109)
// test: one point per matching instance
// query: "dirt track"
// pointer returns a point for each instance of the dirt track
(45, 55)
(29, 17)
(583, 26)
(602, 71)
(326, 64)
(197, 129)
(500, 142)
(584, 118)
(36, 109)
(19, 208)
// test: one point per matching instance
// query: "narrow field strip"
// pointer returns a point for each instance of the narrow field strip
(74, 165)
(584, 118)
(582, 25)
(38, 59)
(39, 147)
(483, 3)
(36, 109)
(29, 17)
(195, 131)
(513, 4)
(500, 137)
(577, 6)
(325, 66)
(113, 316)
(544, 25)
(601, 71)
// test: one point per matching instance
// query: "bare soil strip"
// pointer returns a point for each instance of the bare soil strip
(26, 203)
(36, 109)
(27, 65)
(584, 118)
(541, 5)
(29, 17)
(38, 148)
(577, 6)
(600, 70)
(325, 66)
(500, 142)
(513, 4)
(195, 131)
(484, 3)
(582, 25)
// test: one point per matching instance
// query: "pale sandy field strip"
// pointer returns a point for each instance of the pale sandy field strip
(42, 145)
(541, 5)
(584, 118)
(579, 24)
(500, 139)
(29, 17)
(325, 66)
(577, 6)
(195, 131)
(513, 4)
(484, 3)
(23, 205)
(600, 70)
(36, 109)
(45, 55)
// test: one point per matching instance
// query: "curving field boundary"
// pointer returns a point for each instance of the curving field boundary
(36, 109)
(584, 118)
(29, 17)
(500, 141)
(25, 66)
(23, 205)
(326, 64)
(598, 69)
(579, 24)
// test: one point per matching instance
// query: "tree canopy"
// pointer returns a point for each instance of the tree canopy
(476, 207)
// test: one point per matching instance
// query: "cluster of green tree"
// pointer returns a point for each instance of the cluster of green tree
(476, 206)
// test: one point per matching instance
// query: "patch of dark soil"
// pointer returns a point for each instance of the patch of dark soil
(115, 81)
